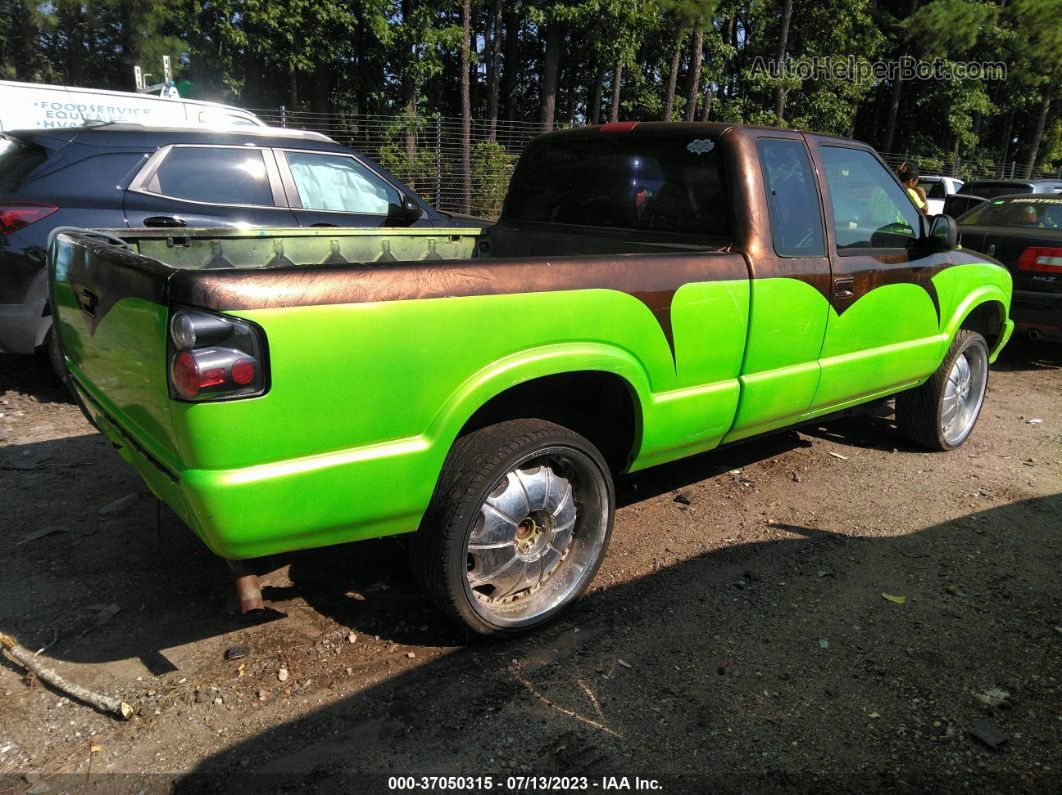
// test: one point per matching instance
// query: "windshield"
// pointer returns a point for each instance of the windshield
(665, 183)
(1025, 213)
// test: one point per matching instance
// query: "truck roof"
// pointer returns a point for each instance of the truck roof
(713, 128)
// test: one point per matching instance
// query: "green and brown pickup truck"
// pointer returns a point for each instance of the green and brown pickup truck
(651, 291)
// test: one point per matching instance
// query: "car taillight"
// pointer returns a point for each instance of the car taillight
(215, 357)
(15, 215)
(1045, 259)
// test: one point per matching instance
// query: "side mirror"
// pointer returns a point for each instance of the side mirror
(943, 233)
(409, 210)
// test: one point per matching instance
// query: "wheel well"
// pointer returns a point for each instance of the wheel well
(987, 320)
(599, 406)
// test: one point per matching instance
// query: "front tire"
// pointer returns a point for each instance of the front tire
(517, 527)
(941, 414)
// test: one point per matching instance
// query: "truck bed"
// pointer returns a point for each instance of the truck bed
(234, 248)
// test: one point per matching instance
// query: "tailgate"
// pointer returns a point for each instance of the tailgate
(110, 310)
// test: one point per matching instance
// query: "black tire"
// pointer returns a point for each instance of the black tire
(476, 471)
(920, 411)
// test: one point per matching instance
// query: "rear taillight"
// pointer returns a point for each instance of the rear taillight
(15, 215)
(215, 357)
(1044, 259)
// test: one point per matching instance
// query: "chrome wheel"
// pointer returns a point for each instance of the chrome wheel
(537, 537)
(964, 392)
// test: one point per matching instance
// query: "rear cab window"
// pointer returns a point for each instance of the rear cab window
(664, 183)
(214, 175)
(792, 198)
(870, 209)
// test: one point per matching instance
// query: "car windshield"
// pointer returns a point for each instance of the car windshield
(1022, 212)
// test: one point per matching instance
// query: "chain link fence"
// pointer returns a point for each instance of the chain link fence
(425, 153)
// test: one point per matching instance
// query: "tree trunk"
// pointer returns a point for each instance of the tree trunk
(783, 42)
(599, 90)
(511, 69)
(494, 69)
(695, 71)
(466, 110)
(672, 79)
(706, 110)
(732, 39)
(894, 111)
(572, 84)
(1004, 144)
(1038, 133)
(293, 86)
(897, 89)
(550, 67)
(617, 84)
(320, 89)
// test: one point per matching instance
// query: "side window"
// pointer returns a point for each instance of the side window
(792, 198)
(870, 210)
(934, 190)
(336, 182)
(215, 175)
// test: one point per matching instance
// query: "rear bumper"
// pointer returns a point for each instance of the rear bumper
(334, 498)
(1038, 313)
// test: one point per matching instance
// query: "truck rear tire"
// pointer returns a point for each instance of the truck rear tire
(941, 414)
(517, 528)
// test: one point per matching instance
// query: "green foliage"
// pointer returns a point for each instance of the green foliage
(410, 154)
(492, 167)
(401, 57)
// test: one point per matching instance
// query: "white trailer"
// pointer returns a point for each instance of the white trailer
(26, 106)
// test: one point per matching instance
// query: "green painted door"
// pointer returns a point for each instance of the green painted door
(883, 332)
(788, 309)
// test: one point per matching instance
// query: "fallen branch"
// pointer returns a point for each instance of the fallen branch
(519, 677)
(27, 660)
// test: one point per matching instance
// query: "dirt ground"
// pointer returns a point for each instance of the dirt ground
(831, 610)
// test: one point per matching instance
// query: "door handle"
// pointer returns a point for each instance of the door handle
(164, 220)
(843, 288)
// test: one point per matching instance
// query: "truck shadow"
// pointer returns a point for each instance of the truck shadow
(32, 376)
(1023, 353)
(783, 647)
(76, 561)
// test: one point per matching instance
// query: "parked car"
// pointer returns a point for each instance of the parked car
(1025, 234)
(937, 190)
(25, 106)
(651, 291)
(115, 175)
(977, 192)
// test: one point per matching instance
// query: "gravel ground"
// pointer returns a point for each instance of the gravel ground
(831, 610)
